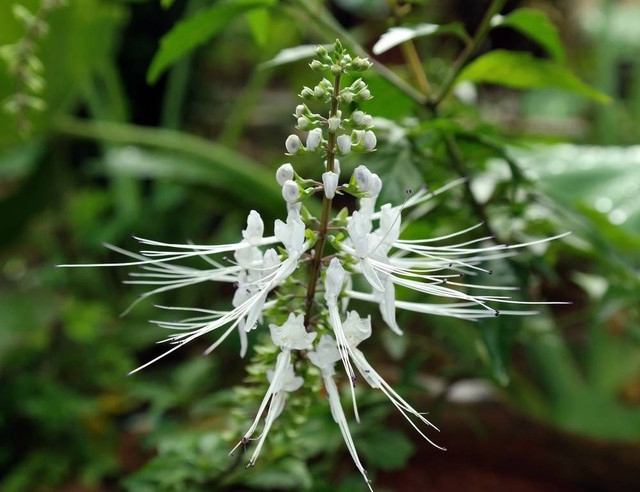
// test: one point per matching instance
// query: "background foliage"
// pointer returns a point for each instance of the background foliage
(167, 119)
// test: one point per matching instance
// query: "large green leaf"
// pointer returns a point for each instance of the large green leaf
(398, 35)
(196, 30)
(523, 71)
(535, 25)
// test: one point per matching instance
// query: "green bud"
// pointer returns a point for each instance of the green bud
(346, 96)
(360, 64)
(317, 65)
(336, 69)
(323, 54)
(307, 94)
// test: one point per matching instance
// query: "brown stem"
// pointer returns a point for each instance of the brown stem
(316, 261)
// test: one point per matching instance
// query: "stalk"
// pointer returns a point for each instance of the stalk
(318, 252)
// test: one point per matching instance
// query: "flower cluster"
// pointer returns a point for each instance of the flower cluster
(367, 261)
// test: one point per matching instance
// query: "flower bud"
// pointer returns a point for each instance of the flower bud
(284, 174)
(314, 138)
(334, 280)
(376, 185)
(336, 69)
(306, 93)
(364, 178)
(344, 144)
(290, 191)
(358, 117)
(293, 144)
(369, 140)
(317, 65)
(347, 97)
(367, 120)
(303, 122)
(364, 95)
(358, 85)
(300, 110)
(360, 64)
(330, 181)
(346, 61)
(334, 124)
(318, 92)
(322, 53)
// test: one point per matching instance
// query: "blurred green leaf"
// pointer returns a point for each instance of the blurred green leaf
(535, 25)
(398, 35)
(204, 161)
(521, 70)
(259, 22)
(166, 3)
(196, 30)
(287, 474)
(385, 449)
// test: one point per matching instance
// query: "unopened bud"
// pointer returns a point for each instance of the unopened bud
(330, 181)
(344, 144)
(313, 139)
(293, 144)
(317, 65)
(364, 178)
(303, 122)
(369, 140)
(300, 110)
(347, 97)
(284, 174)
(364, 95)
(376, 185)
(334, 280)
(318, 91)
(290, 191)
(334, 124)
(358, 117)
(336, 69)
(367, 120)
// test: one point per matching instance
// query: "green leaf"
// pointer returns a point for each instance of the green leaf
(523, 71)
(259, 22)
(385, 449)
(287, 474)
(535, 25)
(398, 35)
(290, 55)
(196, 30)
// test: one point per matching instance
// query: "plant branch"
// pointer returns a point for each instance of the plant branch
(469, 50)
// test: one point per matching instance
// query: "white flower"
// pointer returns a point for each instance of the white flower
(292, 334)
(282, 381)
(284, 173)
(255, 229)
(299, 110)
(330, 182)
(293, 144)
(324, 357)
(344, 144)
(314, 138)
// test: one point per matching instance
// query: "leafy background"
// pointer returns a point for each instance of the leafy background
(167, 119)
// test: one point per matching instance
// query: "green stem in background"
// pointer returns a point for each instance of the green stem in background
(409, 51)
(478, 38)
(318, 252)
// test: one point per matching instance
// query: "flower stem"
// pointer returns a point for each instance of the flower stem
(316, 262)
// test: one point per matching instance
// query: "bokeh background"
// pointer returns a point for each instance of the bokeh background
(549, 403)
